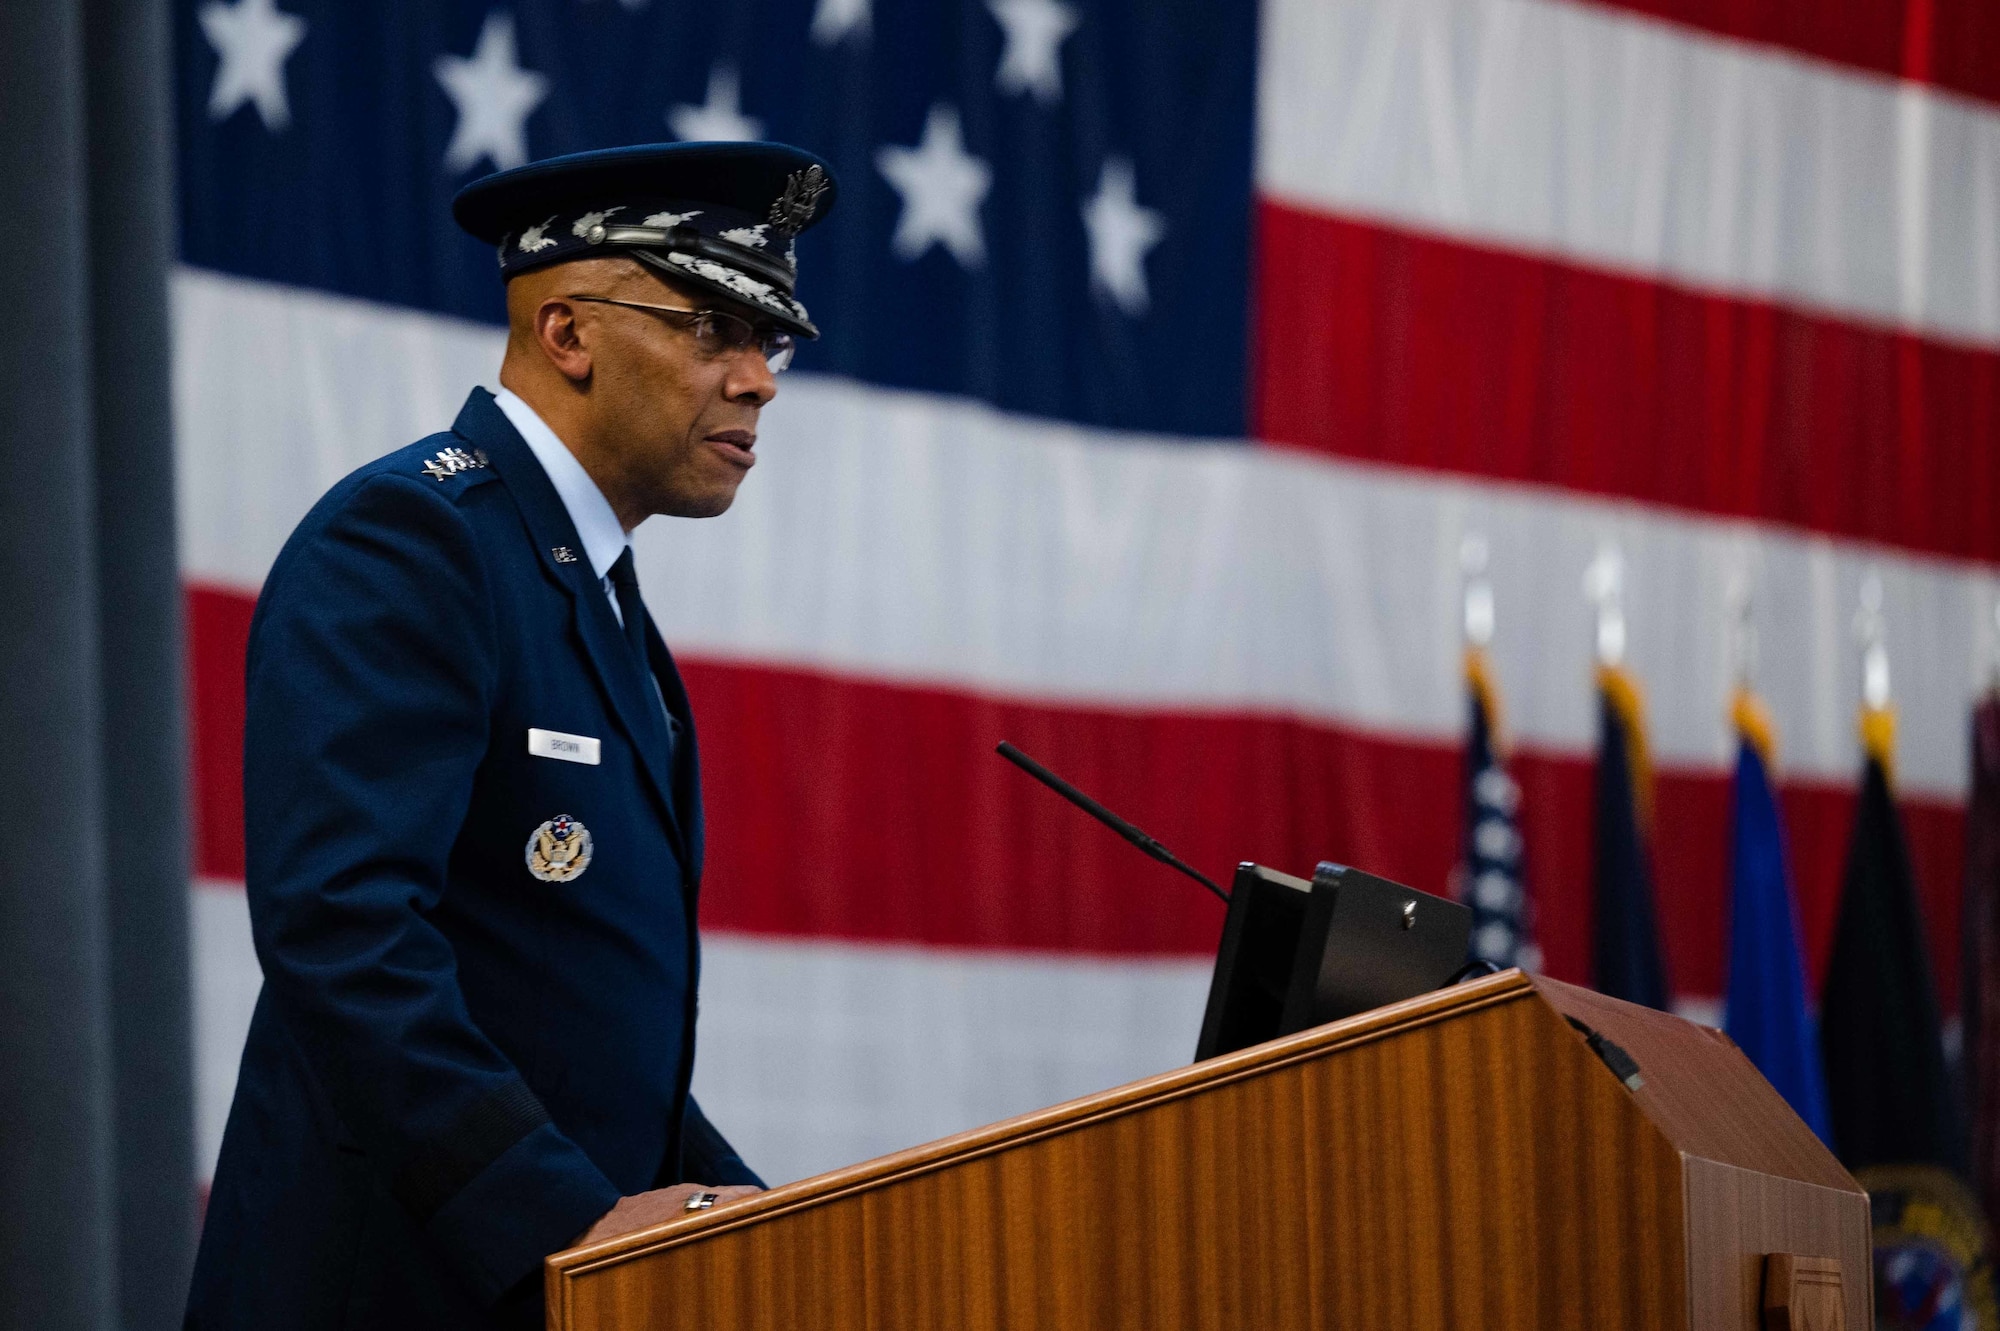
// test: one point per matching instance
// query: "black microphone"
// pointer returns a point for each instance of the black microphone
(1105, 816)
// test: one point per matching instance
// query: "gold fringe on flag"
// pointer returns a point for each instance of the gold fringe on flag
(1479, 678)
(1878, 738)
(1621, 690)
(1753, 722)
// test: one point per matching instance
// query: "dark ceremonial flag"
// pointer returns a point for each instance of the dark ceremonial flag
(1981, 924)
(1769, 1012)
(1879, 1028)
(1625, 954)
(1896, 1118)
(1492, 880)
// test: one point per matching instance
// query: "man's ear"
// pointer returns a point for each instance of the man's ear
(557, 333)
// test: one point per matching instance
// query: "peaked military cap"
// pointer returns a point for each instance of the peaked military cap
(720, 216)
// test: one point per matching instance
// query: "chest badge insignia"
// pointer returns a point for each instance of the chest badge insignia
(559, 850)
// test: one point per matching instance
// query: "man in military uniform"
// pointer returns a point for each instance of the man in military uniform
(472, 799)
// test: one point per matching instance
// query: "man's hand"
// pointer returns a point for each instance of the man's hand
(656, 1207)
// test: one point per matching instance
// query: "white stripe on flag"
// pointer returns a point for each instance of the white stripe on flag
(815, 1055)
(279, 392)
(1597, 135)
(908, 537)
(227, 980)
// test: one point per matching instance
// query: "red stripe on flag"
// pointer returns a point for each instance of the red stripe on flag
(1389, 346)
(218, 635)
(846, 808)
(1952, 44)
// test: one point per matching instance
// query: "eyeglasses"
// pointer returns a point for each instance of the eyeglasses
(718, 332)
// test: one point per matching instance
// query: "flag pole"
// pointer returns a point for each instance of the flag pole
(1478, 589)
(1767, 1008)
(1892, 1100)
(1747, 711)
(1743, 634)
(1604, 588)
(1476, 629)
(1993, 680)
(1626, 960)
(1490, 876)
(1878, 714)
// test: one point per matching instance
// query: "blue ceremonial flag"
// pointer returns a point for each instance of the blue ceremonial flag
(1493, 882)
(1770, 1015)
(1625, 944)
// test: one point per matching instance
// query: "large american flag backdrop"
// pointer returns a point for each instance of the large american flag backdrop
(1174, 350)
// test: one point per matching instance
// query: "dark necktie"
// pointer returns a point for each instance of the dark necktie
(625, 581)
(624, 577)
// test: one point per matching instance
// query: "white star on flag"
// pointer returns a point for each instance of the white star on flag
(1120, 234)
(252, 39)
(1035, 30)
(719, 121)
(494, 97)
(942, 187)
(836, 20)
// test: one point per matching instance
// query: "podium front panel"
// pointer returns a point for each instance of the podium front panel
(1458, 1160)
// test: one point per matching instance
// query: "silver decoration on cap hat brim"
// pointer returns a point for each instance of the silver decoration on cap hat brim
(768, 267)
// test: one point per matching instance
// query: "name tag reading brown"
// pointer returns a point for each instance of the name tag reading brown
(568, 748)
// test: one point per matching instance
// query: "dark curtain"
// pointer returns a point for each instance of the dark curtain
(97, 1199)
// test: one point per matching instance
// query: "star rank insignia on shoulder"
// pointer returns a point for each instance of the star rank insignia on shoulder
(451, 461)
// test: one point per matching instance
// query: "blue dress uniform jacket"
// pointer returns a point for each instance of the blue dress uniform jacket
(454, 1067)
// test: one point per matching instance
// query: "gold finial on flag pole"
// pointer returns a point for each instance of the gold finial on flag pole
(1868, 627)
(1747, 711)
(1472, 557)
(1743, 631)
(1478, 628)
(1993, 646)
(1604, 587)
(1878, 718)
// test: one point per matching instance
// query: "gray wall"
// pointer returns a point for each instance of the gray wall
(97, 1202)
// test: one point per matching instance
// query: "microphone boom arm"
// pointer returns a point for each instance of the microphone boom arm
(1146, 844)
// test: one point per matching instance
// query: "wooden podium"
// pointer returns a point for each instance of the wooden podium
(1464, 1159)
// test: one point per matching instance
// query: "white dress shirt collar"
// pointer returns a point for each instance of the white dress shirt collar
(596, 525)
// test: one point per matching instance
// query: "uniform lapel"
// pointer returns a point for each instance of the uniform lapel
(483, 423)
